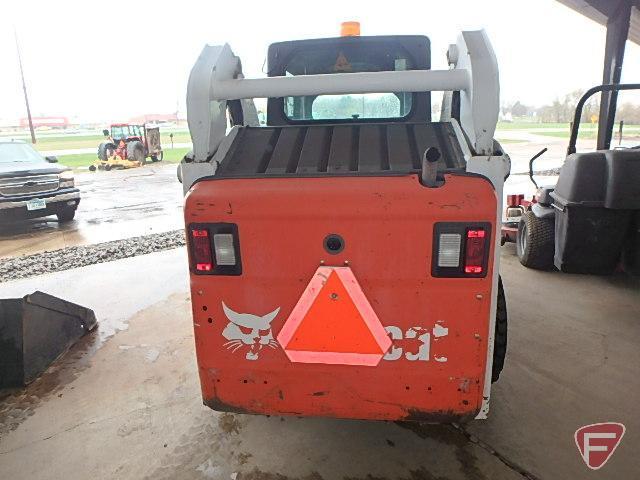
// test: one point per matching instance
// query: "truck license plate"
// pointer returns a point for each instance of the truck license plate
(36, 204)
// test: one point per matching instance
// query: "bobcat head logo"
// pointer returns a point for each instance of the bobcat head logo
(247, 330)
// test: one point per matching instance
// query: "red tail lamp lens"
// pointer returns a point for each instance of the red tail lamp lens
(201, 251)
(515, 200)
(474, 251)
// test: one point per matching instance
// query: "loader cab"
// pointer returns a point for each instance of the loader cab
(386, 133)
(345, 55)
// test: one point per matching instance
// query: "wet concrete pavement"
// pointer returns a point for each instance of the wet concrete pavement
(126, 403)
(114, 205)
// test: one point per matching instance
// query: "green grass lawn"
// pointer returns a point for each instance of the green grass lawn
(81, 160)
(77, 161)
(69, 142)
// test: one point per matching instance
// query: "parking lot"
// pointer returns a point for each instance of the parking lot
(114, 205)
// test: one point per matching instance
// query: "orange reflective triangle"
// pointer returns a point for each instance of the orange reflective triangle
(333, 324)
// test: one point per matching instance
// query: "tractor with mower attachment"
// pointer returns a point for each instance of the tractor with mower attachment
(128, 146)
(589, 221)
(344, 257)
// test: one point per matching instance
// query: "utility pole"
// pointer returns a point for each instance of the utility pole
(24, 89)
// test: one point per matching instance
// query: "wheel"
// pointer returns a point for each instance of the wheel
(500, 334)
(535, 241)
(92, 168)
(107, 167)
(66, 215)
(158, 157)
(105, 150)
(135, 152)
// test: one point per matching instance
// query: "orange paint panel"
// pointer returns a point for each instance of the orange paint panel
(434, 358)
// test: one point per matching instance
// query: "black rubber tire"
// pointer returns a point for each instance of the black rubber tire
(158, 157)
(107, 167)
(535, 241)
(135, 152)
(92, 168)
(66, 215)
(500, 334)
(105, 149)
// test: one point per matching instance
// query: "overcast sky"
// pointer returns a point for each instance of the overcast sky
(111, 60)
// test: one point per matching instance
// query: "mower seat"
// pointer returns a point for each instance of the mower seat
(596, 198)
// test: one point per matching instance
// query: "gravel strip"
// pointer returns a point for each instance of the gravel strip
(73, 257)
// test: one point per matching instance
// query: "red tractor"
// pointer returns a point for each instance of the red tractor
(128, 146)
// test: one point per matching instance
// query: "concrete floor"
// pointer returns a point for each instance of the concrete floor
(113, 205)
(125, 402)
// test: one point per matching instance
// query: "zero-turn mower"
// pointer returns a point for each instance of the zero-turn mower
(589, 222)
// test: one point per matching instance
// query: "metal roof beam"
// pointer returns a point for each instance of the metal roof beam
(617, 33)
(601, 11)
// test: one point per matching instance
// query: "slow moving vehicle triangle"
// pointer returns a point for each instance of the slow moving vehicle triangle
(334, 323)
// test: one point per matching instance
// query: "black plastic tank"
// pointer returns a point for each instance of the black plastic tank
(596, 198)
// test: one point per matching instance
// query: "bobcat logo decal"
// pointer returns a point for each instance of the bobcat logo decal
(247, 330)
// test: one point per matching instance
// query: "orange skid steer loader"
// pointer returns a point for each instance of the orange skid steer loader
(343, 257)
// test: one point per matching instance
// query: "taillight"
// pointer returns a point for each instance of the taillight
(460, 249)
(201, 250)
(474, 251)
(223, 245)
(449, 250)
(515, 200)
(215, 249)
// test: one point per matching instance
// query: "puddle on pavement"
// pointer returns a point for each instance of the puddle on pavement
(18, 404)
(10, 230)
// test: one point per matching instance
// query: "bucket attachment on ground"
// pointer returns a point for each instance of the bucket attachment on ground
(35, 331)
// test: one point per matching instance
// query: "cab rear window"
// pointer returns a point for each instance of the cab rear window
(345, 59)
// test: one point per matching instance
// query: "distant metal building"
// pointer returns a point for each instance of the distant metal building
(52, 122)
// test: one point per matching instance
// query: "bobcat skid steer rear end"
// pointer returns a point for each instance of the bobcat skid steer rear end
(343, 257)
